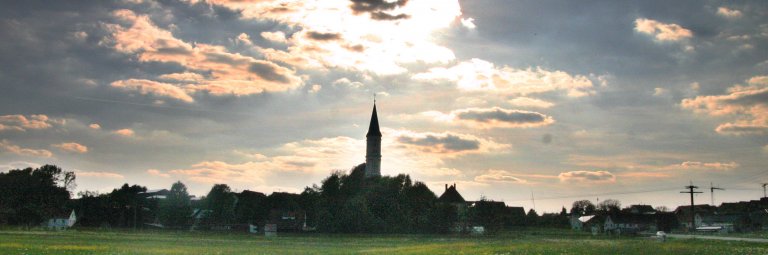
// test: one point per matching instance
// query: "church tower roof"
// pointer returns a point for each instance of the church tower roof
(373, 128)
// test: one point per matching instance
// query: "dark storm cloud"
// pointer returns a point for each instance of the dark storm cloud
(323, 36)
(448, 143)
(378, 8)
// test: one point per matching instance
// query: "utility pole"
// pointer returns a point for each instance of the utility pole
(712, 192)
(690, 189)
(764, 184)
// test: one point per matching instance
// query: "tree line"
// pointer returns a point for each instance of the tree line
(344, 202)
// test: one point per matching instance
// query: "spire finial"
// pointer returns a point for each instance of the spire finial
(374, 97)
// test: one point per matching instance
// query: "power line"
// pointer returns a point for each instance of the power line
(693, 210)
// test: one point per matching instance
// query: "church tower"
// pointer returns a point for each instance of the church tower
(373, 147)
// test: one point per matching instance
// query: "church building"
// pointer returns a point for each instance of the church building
(373, 147)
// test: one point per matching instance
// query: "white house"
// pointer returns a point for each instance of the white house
(63, 222)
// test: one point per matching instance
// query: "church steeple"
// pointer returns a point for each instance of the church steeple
(373, 146)
(373, 128)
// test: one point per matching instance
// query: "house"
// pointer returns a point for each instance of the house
(155, 193)
(285, 211)
(722, 223)
(641, 209)
(683, 214)
(621, 224)
(452, 197)
(287, 220)
(200, 219)
(62, 221)
(758, 220)
(578, 222)
(515, 216)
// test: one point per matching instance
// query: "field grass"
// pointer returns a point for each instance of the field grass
(518, 242)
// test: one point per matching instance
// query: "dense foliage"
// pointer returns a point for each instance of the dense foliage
(342, 203)
(351, 203)
(29, 196)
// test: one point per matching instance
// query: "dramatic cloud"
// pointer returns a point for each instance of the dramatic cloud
(587, 176)
(481, 75)
(728, 13)
(152, 87)
(71, 147)
(499, 176)
(335, 34)
(662, 31)
(749, 104)
(493, 118)
(7, 146)
(230, 73)
(94, 126)
(23, 123)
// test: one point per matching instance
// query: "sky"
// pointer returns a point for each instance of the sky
(534, 103)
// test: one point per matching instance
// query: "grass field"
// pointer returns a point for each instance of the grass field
(520, 242)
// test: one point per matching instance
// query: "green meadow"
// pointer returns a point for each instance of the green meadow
(520, 242)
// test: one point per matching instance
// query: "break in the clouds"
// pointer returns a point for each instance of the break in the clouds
(480, 75)
(372, 32)
(746, 104)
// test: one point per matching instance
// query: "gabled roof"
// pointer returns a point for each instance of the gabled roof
(451, 195)
(373, 128)
(641, 209)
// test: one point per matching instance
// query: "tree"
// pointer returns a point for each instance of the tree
(221, 201)
(662, 208)
(532, 217)
(175, 209)
(582, 207)
(125, 203)
(250, 207)
(609, 206)
(29, 196)
(490, 214)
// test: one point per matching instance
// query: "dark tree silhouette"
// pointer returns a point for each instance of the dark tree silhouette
(30, 196)
(175, 209)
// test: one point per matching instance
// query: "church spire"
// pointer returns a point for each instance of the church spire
(373, 128)
(373, 146)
